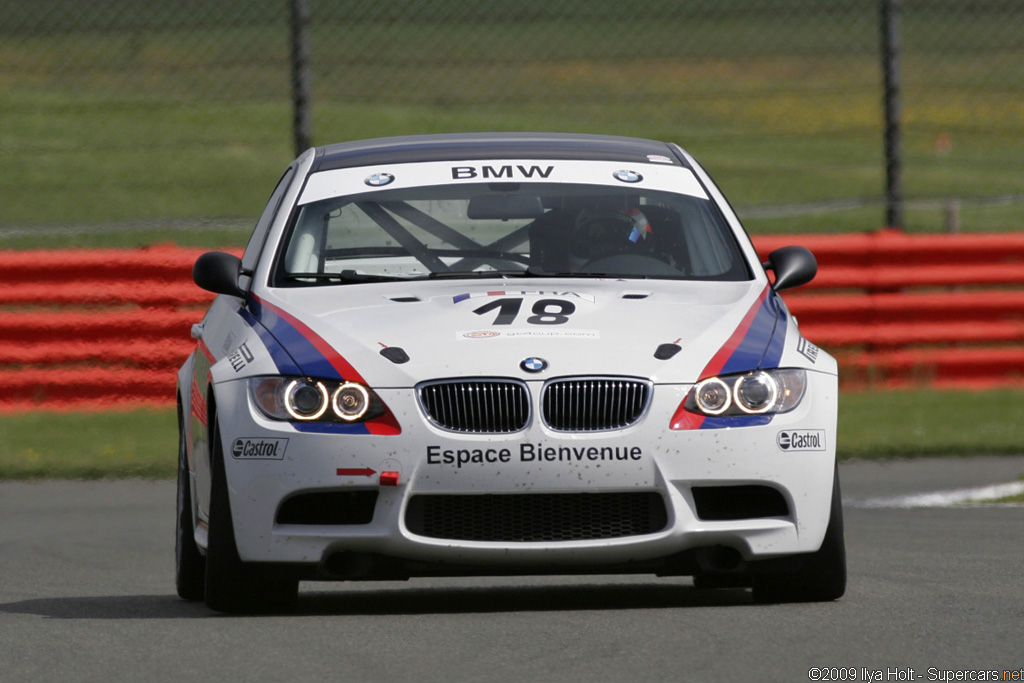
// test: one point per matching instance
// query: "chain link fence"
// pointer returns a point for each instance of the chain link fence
(158, 117)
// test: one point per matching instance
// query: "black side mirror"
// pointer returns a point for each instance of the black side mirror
(793, 266)
(218, 272)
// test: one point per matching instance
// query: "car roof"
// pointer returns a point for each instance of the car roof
(482, 146)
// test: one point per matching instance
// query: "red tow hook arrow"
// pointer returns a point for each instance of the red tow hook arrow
(356, 471)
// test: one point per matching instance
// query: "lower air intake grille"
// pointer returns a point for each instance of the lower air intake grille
(594, 404)
(328, 507)
(478, 406)
(536, 517)
(726, 503)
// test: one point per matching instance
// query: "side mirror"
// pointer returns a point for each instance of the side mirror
(218, 272)
(793, 266)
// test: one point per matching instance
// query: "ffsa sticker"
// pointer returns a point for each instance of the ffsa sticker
(801, 440)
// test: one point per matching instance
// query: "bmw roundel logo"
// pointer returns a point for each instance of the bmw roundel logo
(534, 364)
(628, 176)
(379, 179)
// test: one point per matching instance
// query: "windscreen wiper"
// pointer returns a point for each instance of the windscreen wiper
(485, 274)
(345, 276)
(608, 276)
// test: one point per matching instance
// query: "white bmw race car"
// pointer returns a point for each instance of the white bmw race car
(503, 354)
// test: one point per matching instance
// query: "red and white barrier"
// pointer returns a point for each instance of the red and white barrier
(88, 329)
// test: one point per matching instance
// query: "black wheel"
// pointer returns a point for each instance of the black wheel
(816, 577)
(233, 585)
(189, 563)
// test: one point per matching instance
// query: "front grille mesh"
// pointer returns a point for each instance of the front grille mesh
(593, 404)
(536, 517)
(477, 406)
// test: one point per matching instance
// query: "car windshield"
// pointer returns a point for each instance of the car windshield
(508, 230)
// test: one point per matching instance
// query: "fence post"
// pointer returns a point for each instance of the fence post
(301, 101)
(890, 25)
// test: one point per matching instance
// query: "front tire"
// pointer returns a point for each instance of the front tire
(232, 585)
(189, 564)
(819, 576)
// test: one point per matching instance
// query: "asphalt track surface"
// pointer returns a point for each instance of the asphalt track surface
(86, 594)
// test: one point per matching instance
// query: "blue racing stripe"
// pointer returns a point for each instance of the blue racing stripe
(283, 361)
(762, 348)
(773, 354)
(308, 360)
(711, 422)
(762, 345)
(331, 427)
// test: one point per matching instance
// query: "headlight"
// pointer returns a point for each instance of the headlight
(712, 396)
(754, 393)
(306, 399)
(350, 401)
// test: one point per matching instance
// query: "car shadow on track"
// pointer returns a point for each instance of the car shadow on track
(108, 607)
(484, 599)
(401, 601)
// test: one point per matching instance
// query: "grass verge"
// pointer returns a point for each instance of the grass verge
(1019, 498)
(925, 422)
(114, 444)
(872, 425)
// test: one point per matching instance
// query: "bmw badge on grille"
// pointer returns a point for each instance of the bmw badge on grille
(534, 364)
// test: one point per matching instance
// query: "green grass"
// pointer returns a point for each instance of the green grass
(217, 162)
(130, 114)
(872, 425)
(908, 424)
(88, 445)
(183, 233)
(1014, 499)
(1019, 498)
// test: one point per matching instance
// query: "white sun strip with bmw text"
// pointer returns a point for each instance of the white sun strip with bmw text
(345, 181)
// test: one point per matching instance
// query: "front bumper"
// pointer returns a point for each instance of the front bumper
(269, 463)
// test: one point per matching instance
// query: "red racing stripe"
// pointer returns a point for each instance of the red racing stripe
(719, 360)
(336, 360)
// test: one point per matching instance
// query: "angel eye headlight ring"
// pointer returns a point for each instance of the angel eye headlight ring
(756, 393)
(305, 400)
(309, 399)
(350, 401)
(713, 396)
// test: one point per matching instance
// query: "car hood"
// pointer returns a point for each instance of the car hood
(399, 334)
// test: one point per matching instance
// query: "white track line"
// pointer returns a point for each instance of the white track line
(942, 498)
